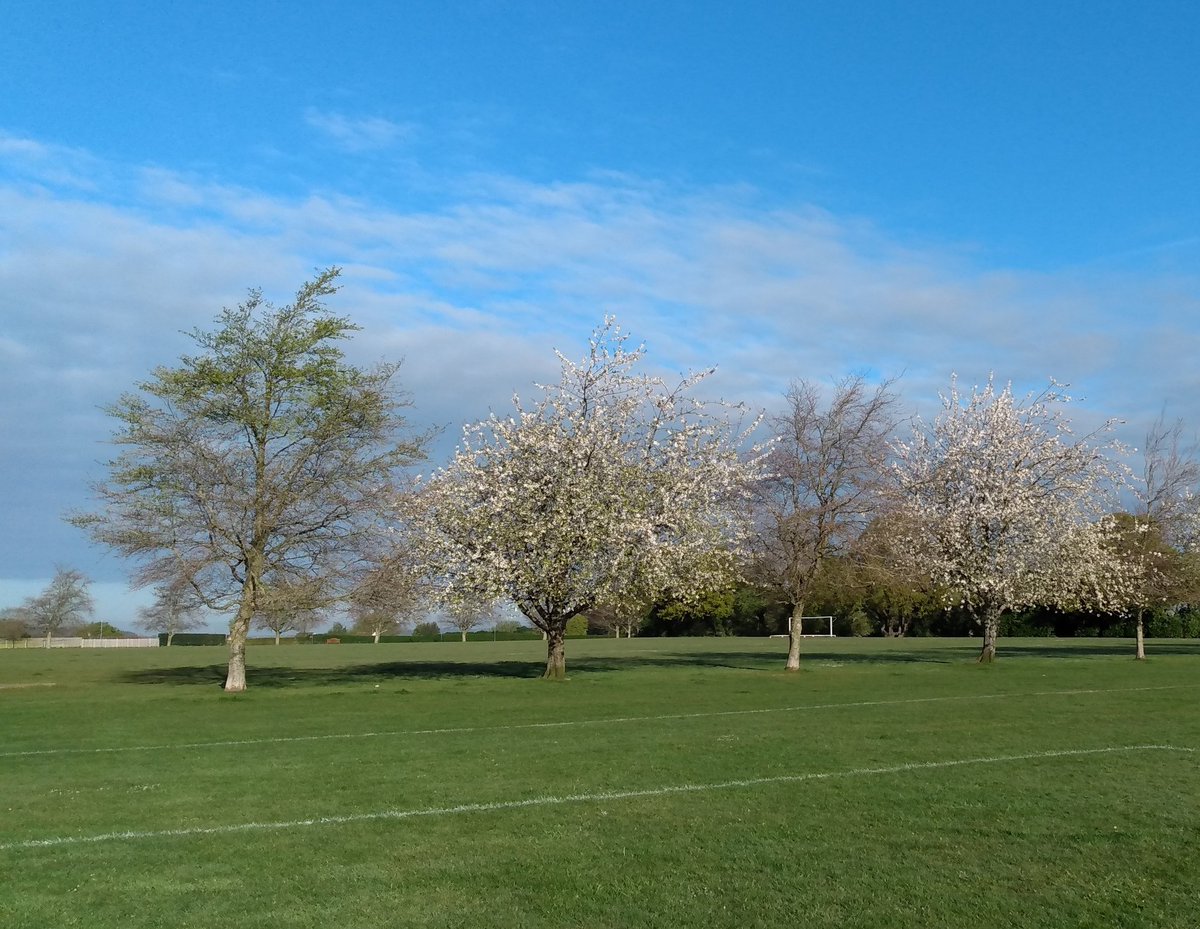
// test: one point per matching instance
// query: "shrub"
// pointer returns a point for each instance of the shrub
(1164, 626)
(860, 623)
(1028, 624)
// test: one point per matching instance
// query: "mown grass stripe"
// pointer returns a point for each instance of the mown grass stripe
(598, 797)
(608, 720)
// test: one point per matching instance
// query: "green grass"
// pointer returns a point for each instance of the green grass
(123, 743)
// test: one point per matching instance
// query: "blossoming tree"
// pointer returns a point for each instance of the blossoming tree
(612, 482)
(1007, 509)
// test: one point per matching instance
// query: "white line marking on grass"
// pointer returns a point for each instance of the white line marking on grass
(598, 797)
(558, 724)
(23, 686)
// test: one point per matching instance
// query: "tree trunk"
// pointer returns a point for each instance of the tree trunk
(277, 637)
(794, 630)
(170, 638)
(376, 641)
(235, 680)
(991, 630)
(556, 656)
(464, 635)
(1141, 636)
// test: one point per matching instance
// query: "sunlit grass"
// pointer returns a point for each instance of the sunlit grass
(145, 742)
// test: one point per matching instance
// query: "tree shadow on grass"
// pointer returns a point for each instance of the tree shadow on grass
(742, 660)
(966, 650)
(380, 672)
(363, 674)
(271, 677)
(1111, 649)
(774, 661)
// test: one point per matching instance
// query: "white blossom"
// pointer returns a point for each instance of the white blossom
(612, 484)
(1008, 509)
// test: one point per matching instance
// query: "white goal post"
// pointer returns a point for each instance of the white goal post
(822, 623)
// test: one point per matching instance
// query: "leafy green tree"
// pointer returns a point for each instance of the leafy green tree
(14, 623)
(264, 458)
(886, 586)
(711, 612)
(101, 630)
(759, 610)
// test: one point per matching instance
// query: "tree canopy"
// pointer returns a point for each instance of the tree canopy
(821, 486)
(612, 484)
(258, 465)
(1003, 507)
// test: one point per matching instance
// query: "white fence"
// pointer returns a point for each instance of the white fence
(77, 642)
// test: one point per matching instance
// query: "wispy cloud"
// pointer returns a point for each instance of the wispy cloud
(474, 292)
(44, 162)
(357, 134)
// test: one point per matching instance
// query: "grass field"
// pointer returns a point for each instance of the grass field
(669, 782)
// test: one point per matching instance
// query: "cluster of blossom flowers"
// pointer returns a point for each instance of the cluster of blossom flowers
(1005, 508)
(612, 484)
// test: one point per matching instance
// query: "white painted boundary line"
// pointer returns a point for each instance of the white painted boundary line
(600, 797)
(608, 720)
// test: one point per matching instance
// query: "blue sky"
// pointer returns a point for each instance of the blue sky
(781, 189)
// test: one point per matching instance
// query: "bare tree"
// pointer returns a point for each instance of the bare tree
(386, 597)
(291, 605)
(265, 454)
(176, 608)
(1167, 510)
(621, 614)
(65, 602)
(824, 477)
(465, 615)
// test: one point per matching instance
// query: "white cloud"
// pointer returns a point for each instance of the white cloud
(359, 134)
(99, 280)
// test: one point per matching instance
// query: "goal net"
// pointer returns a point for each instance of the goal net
(814, 626)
